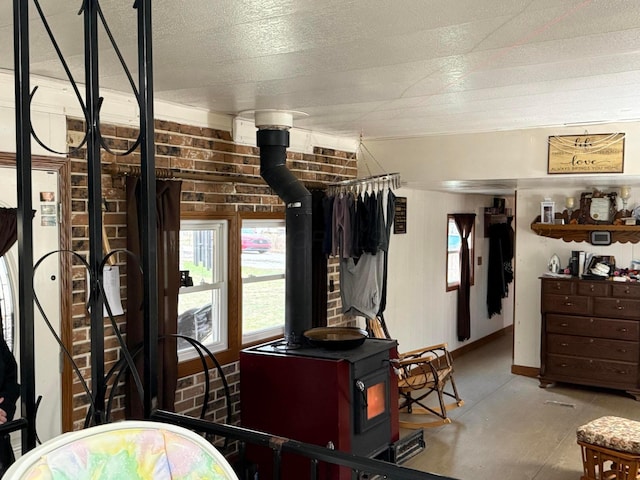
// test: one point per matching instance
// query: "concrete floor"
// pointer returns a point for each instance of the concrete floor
(511, 429)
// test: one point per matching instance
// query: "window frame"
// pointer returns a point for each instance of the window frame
(234, 291)
(257, 337)
(230, 354)
(456, 285)
(220, 282)
(242, 217)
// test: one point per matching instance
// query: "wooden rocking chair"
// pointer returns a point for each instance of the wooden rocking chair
(422, 372)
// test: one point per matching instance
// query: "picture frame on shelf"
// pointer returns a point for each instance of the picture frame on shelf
(597, 208)
(547, 211)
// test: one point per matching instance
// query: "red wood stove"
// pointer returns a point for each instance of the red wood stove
(344, 398)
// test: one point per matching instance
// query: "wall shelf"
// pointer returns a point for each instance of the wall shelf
(581, 233)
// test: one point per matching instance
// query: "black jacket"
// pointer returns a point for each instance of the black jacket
(9, 386)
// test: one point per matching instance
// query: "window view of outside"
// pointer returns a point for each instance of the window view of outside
(263, 278)
(202, 302)
(454, 241)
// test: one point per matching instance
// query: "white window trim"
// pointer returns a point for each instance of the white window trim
(222, 259)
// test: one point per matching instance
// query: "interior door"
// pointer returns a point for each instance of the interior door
(46, 283)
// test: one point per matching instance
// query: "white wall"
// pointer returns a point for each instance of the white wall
(428, 162)
(419, 310)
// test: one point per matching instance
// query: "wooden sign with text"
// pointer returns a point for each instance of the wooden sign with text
(400, 216)
(602, 153)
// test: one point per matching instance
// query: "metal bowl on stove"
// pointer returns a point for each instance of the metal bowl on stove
(336, 338)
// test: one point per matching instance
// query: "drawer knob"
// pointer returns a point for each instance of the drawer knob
(568, 304)
(592, 287)
(564, 324)
(622, 350)
(623, 330)
(621, 372)
(563, 365)
(620, 307)
(564, 344)
(591, 340)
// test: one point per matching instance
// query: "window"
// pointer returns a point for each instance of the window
(232, 290)
(263, 278)
(202, 300)
(454, 244)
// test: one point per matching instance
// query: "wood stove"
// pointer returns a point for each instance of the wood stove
(342, 399)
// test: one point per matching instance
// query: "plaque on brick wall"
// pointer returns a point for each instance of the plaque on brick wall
(400, 216)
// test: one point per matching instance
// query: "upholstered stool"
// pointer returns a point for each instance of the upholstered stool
(610, 449)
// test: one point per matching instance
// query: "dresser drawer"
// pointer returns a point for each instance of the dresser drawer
(593, 347)
(616, 307)
(601, 371)
(624, 290)
(557, 286)
(572, 304)
(593, 327)
(594, 289)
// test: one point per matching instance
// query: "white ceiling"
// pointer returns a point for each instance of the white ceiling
(376, 68)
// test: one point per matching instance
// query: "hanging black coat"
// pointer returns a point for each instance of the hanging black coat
(10, 391)
(500, 269)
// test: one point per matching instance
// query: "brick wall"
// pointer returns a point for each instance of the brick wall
(192, 149)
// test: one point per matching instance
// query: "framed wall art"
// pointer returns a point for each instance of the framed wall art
(597, 207)
(602, 153)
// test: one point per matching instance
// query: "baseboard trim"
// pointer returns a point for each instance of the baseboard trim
(532, 372)
(458, 352)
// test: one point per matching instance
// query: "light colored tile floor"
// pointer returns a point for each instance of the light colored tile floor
(511, 429)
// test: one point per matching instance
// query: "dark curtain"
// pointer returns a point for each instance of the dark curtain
(318, 261)
(168, 231)
(500, 270)
(464, 222)
(8, 229)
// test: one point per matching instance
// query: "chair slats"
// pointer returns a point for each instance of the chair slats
(422, 372)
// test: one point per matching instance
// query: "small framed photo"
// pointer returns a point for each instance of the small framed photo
(547, 211)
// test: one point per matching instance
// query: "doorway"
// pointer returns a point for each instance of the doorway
(46, 238)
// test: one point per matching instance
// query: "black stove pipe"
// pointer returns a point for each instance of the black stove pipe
(273, 143)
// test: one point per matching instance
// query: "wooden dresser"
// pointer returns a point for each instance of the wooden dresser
(591, 333)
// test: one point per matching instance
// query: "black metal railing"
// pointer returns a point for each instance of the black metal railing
(316, 455)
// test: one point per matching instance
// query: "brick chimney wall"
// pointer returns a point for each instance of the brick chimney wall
(194, 149)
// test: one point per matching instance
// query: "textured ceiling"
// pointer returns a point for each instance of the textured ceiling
(375, 68)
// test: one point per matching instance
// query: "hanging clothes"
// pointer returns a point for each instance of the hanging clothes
(391, 210)
(359, 229)
(361, 284)
(500, 270)
(342, 226)
(327, 210)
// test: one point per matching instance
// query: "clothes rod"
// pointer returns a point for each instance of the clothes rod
(387, 177)
(389, 180)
